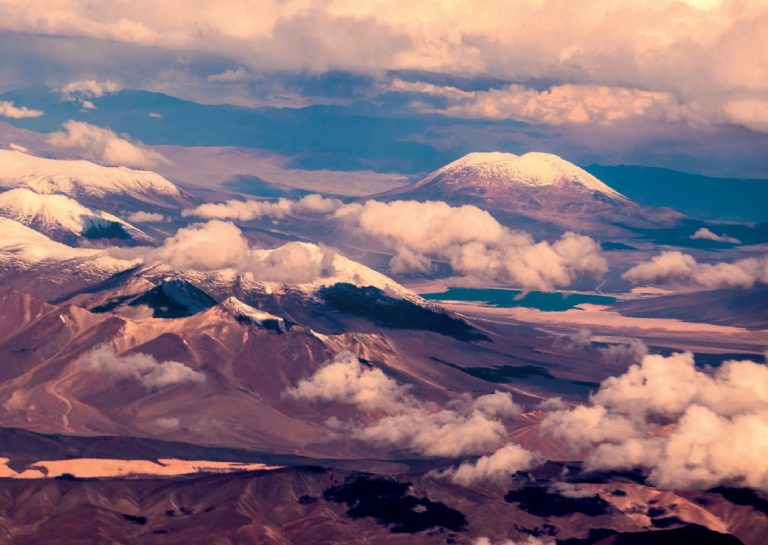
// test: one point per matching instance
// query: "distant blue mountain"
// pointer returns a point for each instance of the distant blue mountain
(333, 137)
(701, 197)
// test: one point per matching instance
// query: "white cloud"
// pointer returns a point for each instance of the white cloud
(624, 352)
(705, 234)
(9, 109)
(105, 145)
(570, 490)
(345, 380)
(218, 245)
(495, 467)
(527, 540)
(142, 368)
(145, 217)
(689, 428)
(711, 60)
(478, 248)
(89, 88)
(674, 268)
(397, 418)
(252, 209)
(240, 74)
(558, 105)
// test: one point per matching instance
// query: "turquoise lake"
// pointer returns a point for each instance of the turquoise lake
(547, 301)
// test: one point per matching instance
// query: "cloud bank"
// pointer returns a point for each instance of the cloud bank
(688, 428)
(9, 109)
(710, 56)
(105, 145)
(252, 209)
(567, 104)
(142, 368)
(476, 246)
(391, 416)
(676, 269)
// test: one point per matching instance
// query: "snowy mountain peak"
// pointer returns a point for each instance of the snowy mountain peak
(79, 178)
(496, 171)
(335, 268)
(63, 218)
(243, 311)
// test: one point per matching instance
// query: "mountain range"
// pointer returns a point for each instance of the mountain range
(128, 344)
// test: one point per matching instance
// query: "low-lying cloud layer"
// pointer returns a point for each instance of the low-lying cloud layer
(142, 368)
(251, 209)
(477, 247)
(104, 145)
(689, 428)
(676, 269)
(218, 245)
(390, 415)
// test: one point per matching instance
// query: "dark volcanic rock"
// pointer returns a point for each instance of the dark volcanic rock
(388, 501)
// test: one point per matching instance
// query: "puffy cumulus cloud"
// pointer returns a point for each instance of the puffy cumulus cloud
(142, 368)
(205, 247)
(218, 245)
(9, 109)
(396, 418)
(88, 88)
(476, 245)
(704, 450)
(253, 209)
(587, 425)
(674, 268)
(105, 145)
(705, 234)
(345, 380)
(559, 105)
(710, 55)
(667, 386)
(495, 467)
(688, 428)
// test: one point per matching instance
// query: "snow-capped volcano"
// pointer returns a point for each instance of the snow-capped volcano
(64, 219)
(496, 171)
(87, 181)
(540, 192)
